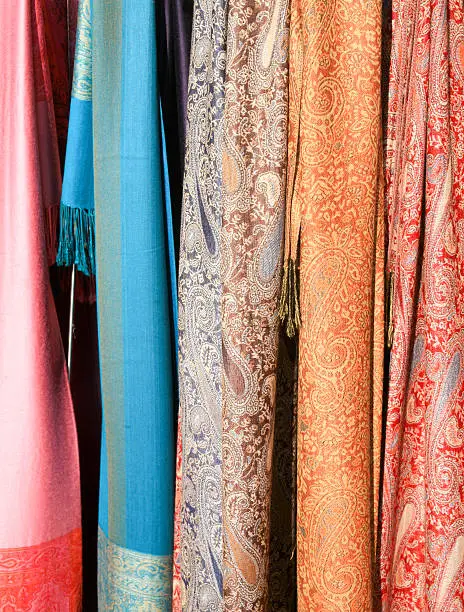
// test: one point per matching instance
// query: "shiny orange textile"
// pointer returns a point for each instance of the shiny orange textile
(335, 229)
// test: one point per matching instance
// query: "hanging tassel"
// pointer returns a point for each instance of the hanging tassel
(289, 307)
(77, 239)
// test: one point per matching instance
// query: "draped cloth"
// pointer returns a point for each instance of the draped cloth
(422, 556)
(134, 298)
(231, 253)
(198, 571)
(334, 233)
(254, 164)
(40, 532)
(77, 217)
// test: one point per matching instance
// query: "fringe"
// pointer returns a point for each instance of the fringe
(77, 239)
(289, 307)
(52, 214)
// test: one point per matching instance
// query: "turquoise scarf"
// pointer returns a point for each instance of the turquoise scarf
(135, 276)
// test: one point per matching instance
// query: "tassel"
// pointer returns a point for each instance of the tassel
(289, 308)
(77, 239)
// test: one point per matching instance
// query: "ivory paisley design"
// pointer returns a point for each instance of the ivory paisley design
(335, 231)
(422, 552)
(131, 580)
(200, 348)
(82, 78)
(254, 160)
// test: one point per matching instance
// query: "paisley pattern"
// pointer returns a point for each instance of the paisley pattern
(131, 580)
(82, 78)
(422, 553)
(335, 219)
(200, 349)
(254, 161)
(43, 577)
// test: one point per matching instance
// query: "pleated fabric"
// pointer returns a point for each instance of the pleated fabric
(423, 516)
(135, 312)
(40, 531)
(253, 166)
(198, 572)
(334, 235)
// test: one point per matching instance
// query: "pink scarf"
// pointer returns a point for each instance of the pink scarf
(40, 534)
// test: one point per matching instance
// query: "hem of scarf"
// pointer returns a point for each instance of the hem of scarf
(46, 576)
(77, 239)
(52, 215)
(131, 580)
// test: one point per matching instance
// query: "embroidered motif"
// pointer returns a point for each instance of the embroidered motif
(43, 577)
(130, 580)
(82, 78)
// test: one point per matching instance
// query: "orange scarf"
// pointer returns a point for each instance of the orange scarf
(335, 233)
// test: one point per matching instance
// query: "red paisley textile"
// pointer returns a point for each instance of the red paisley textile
(422, 551)
(40, 578)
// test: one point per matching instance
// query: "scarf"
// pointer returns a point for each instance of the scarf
(134, 310)
(254, 161)
(422, 516)
(198, 490)
(334, 238)
(233, 205)
(77, 217)
(40, 531)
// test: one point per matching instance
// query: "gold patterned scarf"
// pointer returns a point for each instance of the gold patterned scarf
(334, 234)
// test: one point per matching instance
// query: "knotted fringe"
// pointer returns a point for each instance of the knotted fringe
(52, 214)
(289, 307)
(77, 239)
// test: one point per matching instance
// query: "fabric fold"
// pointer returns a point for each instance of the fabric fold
(135, 311)
(77, 216)
(199, 543)
(254, 155)
(422, 553)
(335, 236)
(40, 514)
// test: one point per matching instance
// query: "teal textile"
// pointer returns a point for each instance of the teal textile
(135, 295)
(77, 219)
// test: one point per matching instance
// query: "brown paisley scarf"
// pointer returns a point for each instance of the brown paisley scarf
(254, 162)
